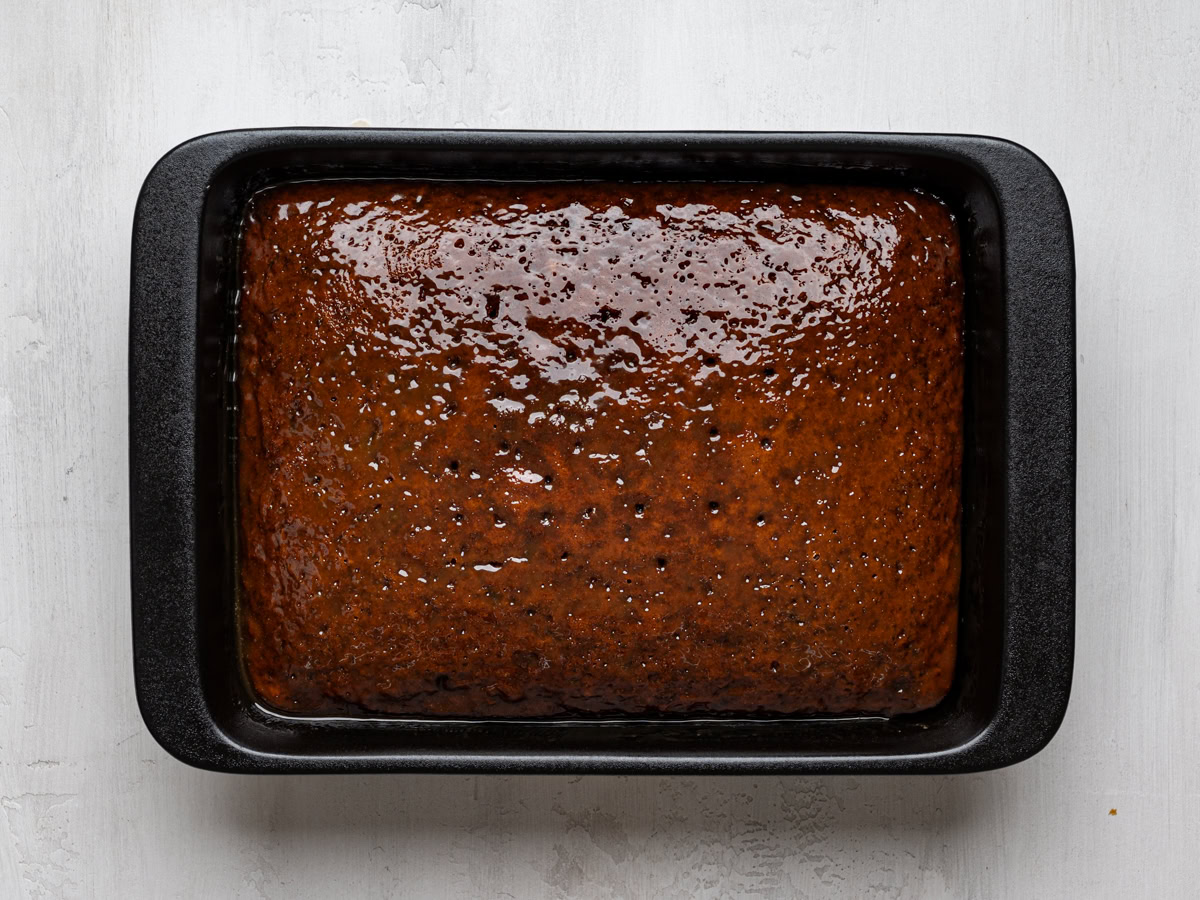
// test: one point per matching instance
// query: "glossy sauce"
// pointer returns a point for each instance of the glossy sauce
(602, 449)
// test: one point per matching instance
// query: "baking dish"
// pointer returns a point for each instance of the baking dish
(1016, 624)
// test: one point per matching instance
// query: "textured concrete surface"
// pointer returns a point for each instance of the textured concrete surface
(92, 94)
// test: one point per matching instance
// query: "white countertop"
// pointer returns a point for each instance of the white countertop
(92, 94)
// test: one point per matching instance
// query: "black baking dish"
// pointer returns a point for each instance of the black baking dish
(1017, 605)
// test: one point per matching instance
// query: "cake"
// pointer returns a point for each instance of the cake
(529, 450)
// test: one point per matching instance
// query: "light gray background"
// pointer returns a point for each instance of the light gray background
(91, 93)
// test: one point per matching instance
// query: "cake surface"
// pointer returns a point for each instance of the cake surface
(524, 450)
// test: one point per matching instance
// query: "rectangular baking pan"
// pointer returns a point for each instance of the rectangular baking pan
(1016, 638)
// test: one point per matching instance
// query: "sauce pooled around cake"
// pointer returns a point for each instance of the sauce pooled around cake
(528, 450)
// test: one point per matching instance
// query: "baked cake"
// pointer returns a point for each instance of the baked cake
(599, 449)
